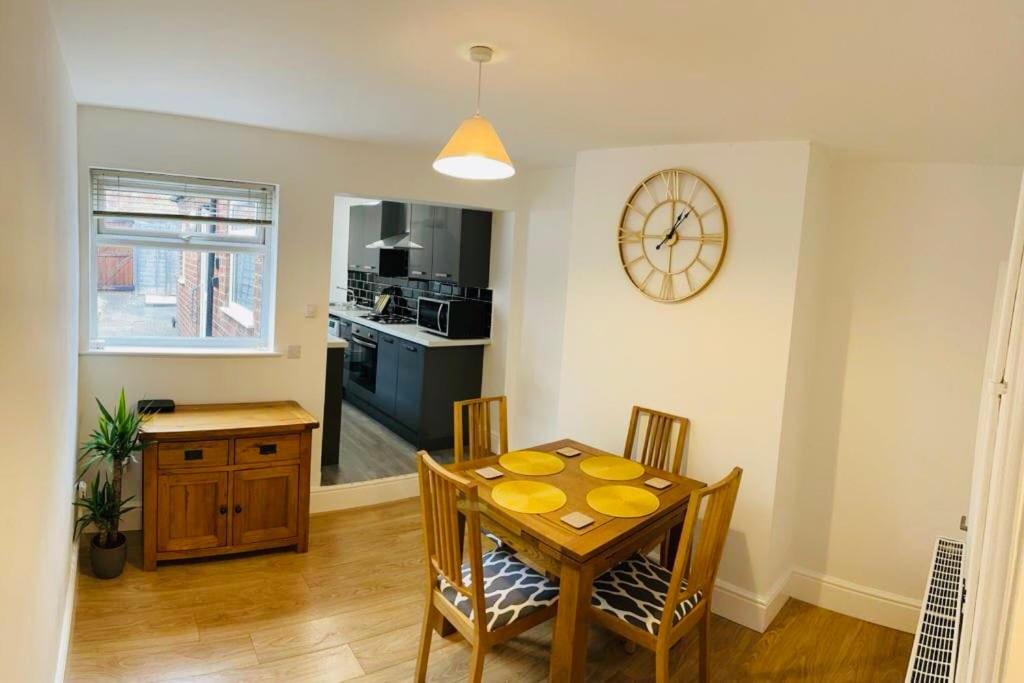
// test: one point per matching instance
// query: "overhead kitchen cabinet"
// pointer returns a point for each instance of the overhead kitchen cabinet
(376, 223)
(423, 220)
(456, 245)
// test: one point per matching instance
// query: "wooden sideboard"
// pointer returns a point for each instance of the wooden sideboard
(225, 478)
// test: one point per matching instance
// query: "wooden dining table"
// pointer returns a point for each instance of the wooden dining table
(577, 556)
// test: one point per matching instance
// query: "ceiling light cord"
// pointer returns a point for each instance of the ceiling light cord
(479, 80)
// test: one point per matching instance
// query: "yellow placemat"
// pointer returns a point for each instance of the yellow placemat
(528, 496)
(622, 501)
(533, 463)
(612, 468)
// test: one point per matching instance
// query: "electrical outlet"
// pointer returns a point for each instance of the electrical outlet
(82, 489)
(295, 351)
(310, 310)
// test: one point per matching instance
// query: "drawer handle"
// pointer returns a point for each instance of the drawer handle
(443, 274)
(238, 509)
(195, 454)
(268, 449)
(223, 509)
(409, 347)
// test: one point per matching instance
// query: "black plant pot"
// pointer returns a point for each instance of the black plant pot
(108, 563)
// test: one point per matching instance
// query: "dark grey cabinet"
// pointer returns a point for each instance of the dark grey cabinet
(371, 222)
(409, 392)
(462, 247)
(416, 386)
(387, 373)
(358, 254)
(422, 222)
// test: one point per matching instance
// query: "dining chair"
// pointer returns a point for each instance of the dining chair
(510, 596)
(654, 607)
(478, 420)
(658, 449)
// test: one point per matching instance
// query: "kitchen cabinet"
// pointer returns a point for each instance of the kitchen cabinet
(409, 389)
(387, 373)
(228, 478)
(461, 249)
(370, 222)
(416, 386)
(423, 220)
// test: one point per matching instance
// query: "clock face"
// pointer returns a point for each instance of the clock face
(672, 235)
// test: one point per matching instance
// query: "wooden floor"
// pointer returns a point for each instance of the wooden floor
(350, 610)
(369, 450)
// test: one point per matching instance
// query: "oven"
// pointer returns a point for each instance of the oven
(362, 358)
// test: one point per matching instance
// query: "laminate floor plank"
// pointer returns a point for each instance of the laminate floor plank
(350, 609)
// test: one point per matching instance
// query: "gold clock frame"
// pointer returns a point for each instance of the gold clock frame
(628, 206)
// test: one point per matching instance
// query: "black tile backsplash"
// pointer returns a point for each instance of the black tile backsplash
(363, 288)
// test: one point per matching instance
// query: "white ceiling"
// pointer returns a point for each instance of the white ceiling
(896, 79)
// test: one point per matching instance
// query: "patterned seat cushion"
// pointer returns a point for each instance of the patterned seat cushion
(511, 589)
(634, 590)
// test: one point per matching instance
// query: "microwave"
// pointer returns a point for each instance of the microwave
(455, 319)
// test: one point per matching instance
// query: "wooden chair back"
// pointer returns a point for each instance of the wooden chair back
(657, 449)
(698, 563)
(476, 415)
(443, 496)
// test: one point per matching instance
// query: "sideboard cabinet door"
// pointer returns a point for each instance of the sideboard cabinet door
(265, 503)
(192, 511)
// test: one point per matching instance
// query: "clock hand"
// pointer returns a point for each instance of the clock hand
(675, 226)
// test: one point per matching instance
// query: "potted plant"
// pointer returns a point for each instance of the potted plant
(110, 447)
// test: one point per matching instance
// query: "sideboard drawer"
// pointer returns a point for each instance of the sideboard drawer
(267, 449)
(194, 453)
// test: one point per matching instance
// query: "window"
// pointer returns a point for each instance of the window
(181, 261)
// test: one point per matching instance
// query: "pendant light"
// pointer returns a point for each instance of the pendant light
(475, 151)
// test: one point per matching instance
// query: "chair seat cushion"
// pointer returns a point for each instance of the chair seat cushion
(634, 590)
(512, 590)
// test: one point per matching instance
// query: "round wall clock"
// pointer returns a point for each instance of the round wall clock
(672, 235)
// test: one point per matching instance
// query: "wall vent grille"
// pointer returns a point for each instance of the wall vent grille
(938, 631)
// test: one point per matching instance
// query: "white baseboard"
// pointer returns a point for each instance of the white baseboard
(870, 604)
(68, 619)
(363, 493)
(747, 608)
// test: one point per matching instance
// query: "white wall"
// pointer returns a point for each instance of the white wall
(808, 382)
(912, 269)
(38, 289)
(546, 208)
(310, 171)
(719, 358)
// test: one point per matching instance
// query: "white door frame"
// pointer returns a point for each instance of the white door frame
(997, 492)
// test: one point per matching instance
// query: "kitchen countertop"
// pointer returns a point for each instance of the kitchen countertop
(336, 342)
(407, 332)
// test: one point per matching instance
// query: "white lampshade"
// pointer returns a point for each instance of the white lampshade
(475, 152)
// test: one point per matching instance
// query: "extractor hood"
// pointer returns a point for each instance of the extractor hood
(403, 241)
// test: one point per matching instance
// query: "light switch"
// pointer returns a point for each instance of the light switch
(295, 351)
(310, 310)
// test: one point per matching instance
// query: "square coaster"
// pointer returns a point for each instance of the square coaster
(568, 452)
(658, 483)
(577, 520)
(489, 473)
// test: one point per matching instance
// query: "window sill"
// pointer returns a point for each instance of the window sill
(183, 352)
(240, 314)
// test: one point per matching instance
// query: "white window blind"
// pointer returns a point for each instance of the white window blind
(163, 209)
(126, 194)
